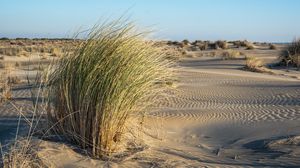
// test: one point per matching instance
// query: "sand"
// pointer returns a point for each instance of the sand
(218, 116)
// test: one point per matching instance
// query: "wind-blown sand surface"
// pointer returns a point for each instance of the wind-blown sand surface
(227, 117)
(218, 116)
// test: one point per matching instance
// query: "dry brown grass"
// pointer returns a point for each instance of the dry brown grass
(22, 151)
(294, 51)
(230, 54)
(185, 42)
(254, 64)
(174, 53)
(237, 44)
(56, 52)
(22, 154)
(11, 51)
(291, 55)
(222, 44)
(296, 60)
(250, 46)
(5, 86)
(273, 47)
(26, 47)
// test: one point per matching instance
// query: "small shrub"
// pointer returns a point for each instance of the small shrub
(273, 47)
(291, 55)
(213, 46)
(285, 58)
(237, 44)
(4, 38)
(12, 51)
(185, 42)
(174, 53)
(250, 46)
(253, 64)
(55, 52)
(294, 50)
(230, 54)
(5, 86)
(195, 48)
(222, 44)
(203, 46)
(176, 43)
(244, 43)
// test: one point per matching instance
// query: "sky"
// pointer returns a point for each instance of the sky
(255, 20)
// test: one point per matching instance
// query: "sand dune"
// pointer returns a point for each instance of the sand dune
(218, 116)
(231, 116)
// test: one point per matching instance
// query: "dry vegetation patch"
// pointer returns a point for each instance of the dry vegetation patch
(291, 55)
(273, 47)
(6, 82)
(221, 44)
(255, 65)
(231, 54)
(250, 46)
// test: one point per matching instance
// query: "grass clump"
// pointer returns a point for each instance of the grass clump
(203, 46)
(5, 86)
(11, 51)
(55, 52)
(174, 53)
(250, 46)
(22, 154)
(253, 64)
(108, 80)
(222, 44)
(237, 44)
(230, 54)
(185, 42)
(272, 47)
(291, 55)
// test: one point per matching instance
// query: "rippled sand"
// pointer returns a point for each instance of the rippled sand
(218, 116)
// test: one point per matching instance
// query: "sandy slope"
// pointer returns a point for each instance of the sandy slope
(226, 116)
(219, 116)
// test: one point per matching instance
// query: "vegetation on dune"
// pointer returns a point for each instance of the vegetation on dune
(249, 46)
(185, 42)
(22, 154)
(222, 44)
(231, 54)
(55, 52)
(106, 82)
(291, 55)
(273, 47)
(253, 64)
(6, 82)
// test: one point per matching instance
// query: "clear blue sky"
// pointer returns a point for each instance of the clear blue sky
(256, 20)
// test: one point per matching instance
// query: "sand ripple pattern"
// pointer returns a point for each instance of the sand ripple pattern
(21, 102)
(209, 97)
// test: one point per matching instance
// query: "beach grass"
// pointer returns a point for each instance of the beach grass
(109, 79)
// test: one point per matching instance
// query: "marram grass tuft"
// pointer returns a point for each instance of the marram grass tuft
(110, 78)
